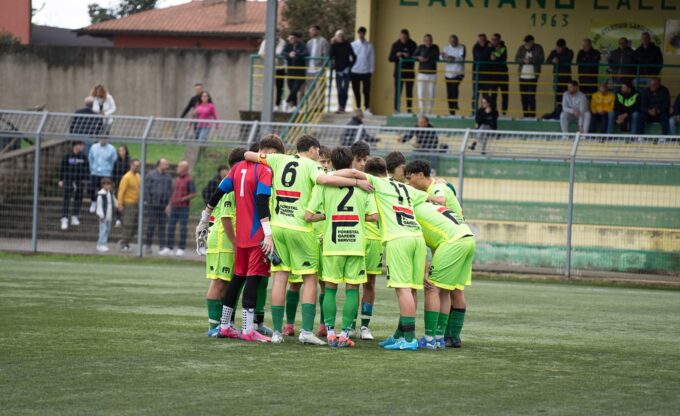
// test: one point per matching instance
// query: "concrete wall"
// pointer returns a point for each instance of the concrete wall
(143, 81)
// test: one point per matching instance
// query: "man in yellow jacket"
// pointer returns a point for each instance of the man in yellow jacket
(602, 110)
(128, 200)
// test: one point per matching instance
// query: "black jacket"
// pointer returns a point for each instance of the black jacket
(425, 139)
(193, 101)
(343, 56)
(500, 66)
(210, 188)
(74, 167)
(432, 55)
(627, 103)
(407, 67)
(120, 167)
(620, 57)
(299, 62)
(158, 188)
(482, 54)
(659, 99)
(489, 119)
(564, 60)
(588, 62)
(86, 126)
(651, 55)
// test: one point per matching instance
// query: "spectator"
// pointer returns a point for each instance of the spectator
(588, 60)
(73, 171)
(621, 62)
(279, 68)
(194, 100)
(650, 58)
(401, 52)
(427, 55)
(486, 118)
(128, 203)
(627, 108)
(158, 189)
(121, 166)
(296, 53)
(454, 56)
(205, 110)
(101, 157)
(363, 69)
(529, 56)
(425, 139)
(481, 56)
(575, 108)
(561, 58)
(318, 48)
(342, 58)
(104, 105)
(602, 110)
(675, 117)
(83, 124)
(106, 206)
(222, 172)
(655, 106)
(349, 137)
(183, 191)
(499, 72)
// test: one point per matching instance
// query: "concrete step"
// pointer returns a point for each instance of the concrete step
(343, 119)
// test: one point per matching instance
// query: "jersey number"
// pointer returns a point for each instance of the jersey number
(243, 180)
(289, 174)
(397, 187)
(449, 214)
(342, 207)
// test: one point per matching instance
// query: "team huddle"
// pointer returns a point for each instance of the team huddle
(314, 225)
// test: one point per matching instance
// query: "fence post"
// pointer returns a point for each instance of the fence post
(461, 165)
(330, 86)
(250, 86)
(360, 133)
(397, 99)
(36, 184)
(142, 173)
(475, 86)
(252, 134)
(570, 204)
(556, 76)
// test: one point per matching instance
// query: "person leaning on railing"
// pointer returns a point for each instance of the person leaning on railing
(622, 62)
(529, 56)
(650, 59)
(401, 54)
(561, 57)
(342, 58)
(296, 54)
(427, 55)
(280, 71)
(454, 56)
(499, 72)
(588, 59)
(481, 80)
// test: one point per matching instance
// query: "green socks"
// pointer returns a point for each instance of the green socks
(214, 312)
(366, 313)
(399, 333)
(292, 300)
(329, 307)
(261, 301)
(350, 308)
(308, 314)
(277, 317)
(431, 320)
(442, 320)
(455, 324)
(322, 319)
(408, 325)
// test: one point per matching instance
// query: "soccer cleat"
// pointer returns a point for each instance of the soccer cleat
(179, 252)
(264, 330)
(345, 342)
(389, 341)
(289, 330)
(332, 340)
(365, 334)
(64, 223)
(277, 337)
(254, 336)
(93, 207)
(441, 344)
(352, 333)
(322, 331)
(424, 344)
(307, 337)
(165, 252)
(74, 220)
(452, 343)
(229, 332)
(214, 332)
(402, 344)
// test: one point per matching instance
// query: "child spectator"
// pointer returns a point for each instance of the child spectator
(106, 206)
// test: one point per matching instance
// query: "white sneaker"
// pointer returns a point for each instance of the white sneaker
(179, 252)
(277, 338)
(64, 223)
(352, 333)
(292, 109)
(165, 252)
(276, 109)
(102, 249)
(309, 338)
(368, 112)
(75, 220)
(93, 207)
(365, 334)
(118, 223)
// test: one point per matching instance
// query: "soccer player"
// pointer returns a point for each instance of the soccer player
(453, 245)
(418, 173)
(296, 244)
(251, 184)
(395, 162)
(345, 210)
(325, 162)
(219, 259)
(404, 245)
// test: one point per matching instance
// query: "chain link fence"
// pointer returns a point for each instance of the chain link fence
(539, 202)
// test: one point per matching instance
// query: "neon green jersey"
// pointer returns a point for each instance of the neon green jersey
(217, 239)
(372, 230)
(293, 179)
(345, 209)
(439, 224)
(395, 202)
(440, 189)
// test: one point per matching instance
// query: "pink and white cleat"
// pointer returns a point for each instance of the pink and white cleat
(254, 336)
(289, 330)
(229, 332)
(323, 331)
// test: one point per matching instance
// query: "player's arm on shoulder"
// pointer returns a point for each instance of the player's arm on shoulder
(314, 216)
(350, 173)
(339, 180)
(251, 156)
(371, 217)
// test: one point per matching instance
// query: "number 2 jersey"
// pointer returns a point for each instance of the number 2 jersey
(293, 180)
(345, 209)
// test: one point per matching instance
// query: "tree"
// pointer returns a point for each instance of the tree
(331, 15)
(125, 8)
(6, 38)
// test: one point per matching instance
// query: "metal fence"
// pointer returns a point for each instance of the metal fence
(539, 202)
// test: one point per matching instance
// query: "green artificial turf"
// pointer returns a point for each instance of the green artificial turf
(91, 336)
